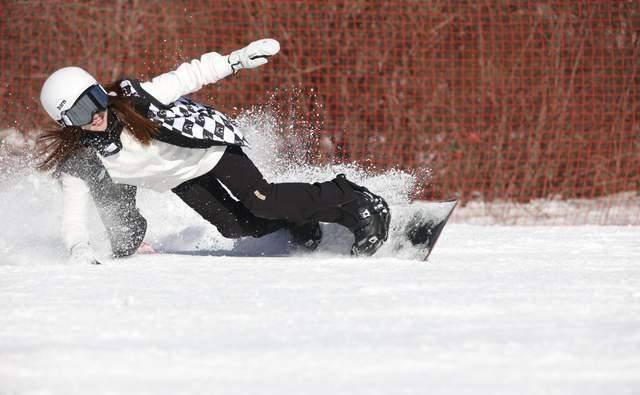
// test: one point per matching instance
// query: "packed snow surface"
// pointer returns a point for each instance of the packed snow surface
(497, 310)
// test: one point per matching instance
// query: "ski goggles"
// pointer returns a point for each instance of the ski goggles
(91, 101)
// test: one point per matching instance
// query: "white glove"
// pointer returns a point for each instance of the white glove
(253, 55)
(82, 254)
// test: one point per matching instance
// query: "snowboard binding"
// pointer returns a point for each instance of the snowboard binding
(368, 216)
(306, 237)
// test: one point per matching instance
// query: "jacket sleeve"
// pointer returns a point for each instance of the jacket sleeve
(74, 219)
(188, 77)
(116, 204)
(84, 178)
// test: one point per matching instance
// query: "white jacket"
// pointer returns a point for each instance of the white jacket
(159, 166)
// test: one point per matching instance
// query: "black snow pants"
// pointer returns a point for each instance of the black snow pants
(261, 207)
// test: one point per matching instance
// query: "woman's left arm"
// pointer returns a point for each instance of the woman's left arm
(210, 68)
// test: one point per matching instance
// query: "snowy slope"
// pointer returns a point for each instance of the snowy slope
(497, 310)
(517, 310)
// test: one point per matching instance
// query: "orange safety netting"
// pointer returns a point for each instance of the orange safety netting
(503, 100)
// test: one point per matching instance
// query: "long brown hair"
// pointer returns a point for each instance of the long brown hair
(55, 145)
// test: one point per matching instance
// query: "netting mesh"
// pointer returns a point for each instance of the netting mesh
(502, 100)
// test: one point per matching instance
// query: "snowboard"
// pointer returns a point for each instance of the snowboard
(413, 233)
(420, 228)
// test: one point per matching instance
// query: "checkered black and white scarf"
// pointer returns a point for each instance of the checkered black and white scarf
(200, 124)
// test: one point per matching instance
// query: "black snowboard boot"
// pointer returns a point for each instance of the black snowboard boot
(305, 237)
(367, 216)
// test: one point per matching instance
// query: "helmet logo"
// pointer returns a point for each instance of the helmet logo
(61, 104)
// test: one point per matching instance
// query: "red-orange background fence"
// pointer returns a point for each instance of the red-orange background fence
(503, 100)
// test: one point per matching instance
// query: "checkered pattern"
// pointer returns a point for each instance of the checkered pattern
(193, 120)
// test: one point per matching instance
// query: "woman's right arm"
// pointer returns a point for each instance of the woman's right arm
(76, 197)
(210, 68)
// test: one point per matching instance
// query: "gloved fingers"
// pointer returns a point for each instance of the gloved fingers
(83, 260)
(82, 254)
(258, 61)
(253, 55)
(261, 48)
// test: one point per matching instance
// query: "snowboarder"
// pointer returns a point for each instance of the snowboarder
(133, 134)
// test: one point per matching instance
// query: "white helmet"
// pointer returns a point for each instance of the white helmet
(63, 88)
